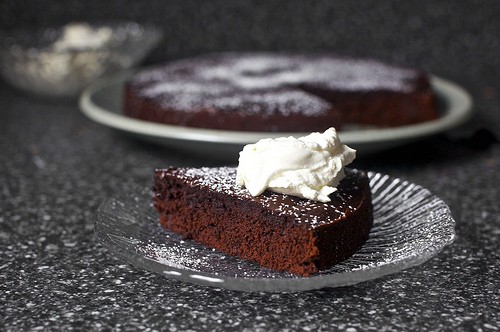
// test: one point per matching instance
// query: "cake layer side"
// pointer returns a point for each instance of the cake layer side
(338, 241)
(235, 227)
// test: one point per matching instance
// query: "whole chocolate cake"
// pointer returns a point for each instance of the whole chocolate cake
(279, 93)
(278, 231)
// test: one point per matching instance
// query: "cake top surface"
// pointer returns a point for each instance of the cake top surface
(301, 211)
(230, 79)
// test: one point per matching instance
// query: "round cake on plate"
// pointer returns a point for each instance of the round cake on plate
(279, 92)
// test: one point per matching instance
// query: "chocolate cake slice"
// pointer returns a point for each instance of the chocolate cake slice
(281, 232)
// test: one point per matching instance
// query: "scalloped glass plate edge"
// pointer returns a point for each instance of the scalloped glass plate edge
(383, 188)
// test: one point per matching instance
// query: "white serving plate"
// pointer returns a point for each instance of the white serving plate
(102, 102)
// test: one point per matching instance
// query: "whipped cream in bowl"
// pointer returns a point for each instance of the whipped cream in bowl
(310, 167)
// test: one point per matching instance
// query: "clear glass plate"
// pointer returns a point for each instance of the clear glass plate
(410, 226)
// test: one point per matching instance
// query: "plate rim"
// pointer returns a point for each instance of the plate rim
(459, 110)
(292, 284)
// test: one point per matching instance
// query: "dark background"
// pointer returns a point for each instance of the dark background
(458, 40)
(56, 167)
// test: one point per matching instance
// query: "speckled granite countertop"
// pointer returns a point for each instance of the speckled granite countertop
(56, 167)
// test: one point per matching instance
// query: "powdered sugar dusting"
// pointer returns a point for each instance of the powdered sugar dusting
(264, 71)
(265, 83)
(282, 102)
(256, 72)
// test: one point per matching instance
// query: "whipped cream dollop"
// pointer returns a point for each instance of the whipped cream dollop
(310, 167)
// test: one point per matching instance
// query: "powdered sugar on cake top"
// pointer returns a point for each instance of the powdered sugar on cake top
(190, 96)
(263, 71)
(264, 82)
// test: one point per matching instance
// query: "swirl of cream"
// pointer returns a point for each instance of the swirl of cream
(310, 167)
